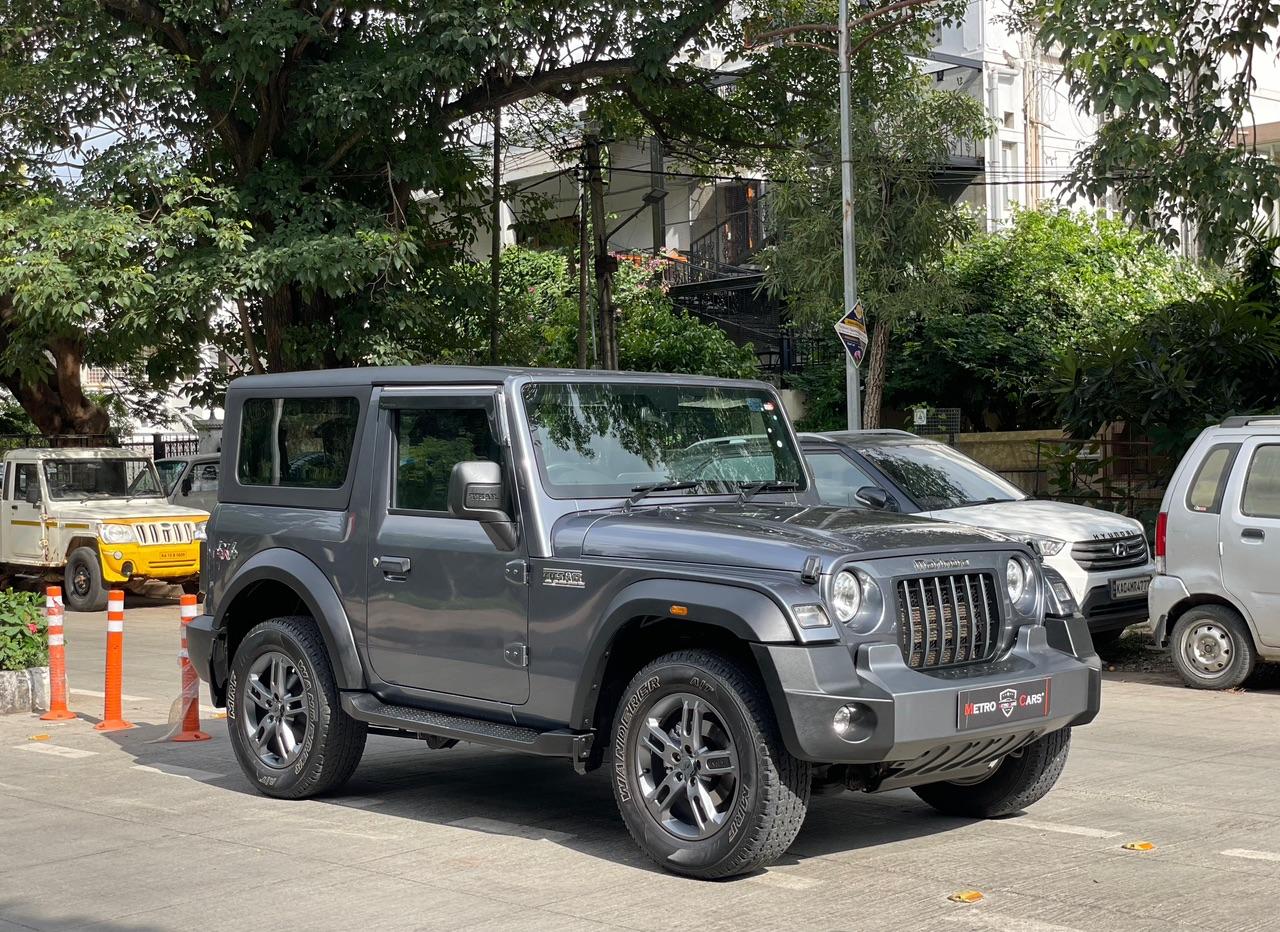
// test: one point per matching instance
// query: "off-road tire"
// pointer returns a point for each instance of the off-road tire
(1244, 656)
(191, 588)
(1019, 780)
(94, 597)
(333, 742)
(772, 794)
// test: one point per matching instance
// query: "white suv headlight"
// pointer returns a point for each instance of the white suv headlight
(1045, 546)
(115, 533)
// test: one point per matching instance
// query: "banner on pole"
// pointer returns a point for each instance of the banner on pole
(852, 330)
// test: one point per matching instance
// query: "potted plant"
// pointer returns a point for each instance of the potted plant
(24, 652)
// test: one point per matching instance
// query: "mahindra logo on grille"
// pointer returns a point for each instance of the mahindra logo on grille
(941, 564)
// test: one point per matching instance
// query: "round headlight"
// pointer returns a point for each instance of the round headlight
(1015, 577)
(115, 533)
(846, 595)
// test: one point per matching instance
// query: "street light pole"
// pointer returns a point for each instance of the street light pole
(854, 395)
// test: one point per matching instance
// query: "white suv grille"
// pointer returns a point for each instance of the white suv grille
(164, 532)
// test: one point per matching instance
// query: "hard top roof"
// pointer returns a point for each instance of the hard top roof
(456, 375)
(74, 453)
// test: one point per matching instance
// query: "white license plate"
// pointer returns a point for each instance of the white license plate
(1131, 587)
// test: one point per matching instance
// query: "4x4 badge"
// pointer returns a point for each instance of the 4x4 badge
(566, 579)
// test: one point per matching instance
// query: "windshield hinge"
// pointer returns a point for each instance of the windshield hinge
(516, 654)
(517, 571)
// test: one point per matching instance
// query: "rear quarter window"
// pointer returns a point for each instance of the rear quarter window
(303, 442)
(1210, 481)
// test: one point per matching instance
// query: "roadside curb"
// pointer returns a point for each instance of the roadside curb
(24, 690)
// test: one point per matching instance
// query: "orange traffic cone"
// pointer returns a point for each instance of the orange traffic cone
(112, 712)
(58, 711)
(190, 715)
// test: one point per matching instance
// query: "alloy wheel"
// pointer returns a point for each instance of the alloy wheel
(275, 719)
(687, 766)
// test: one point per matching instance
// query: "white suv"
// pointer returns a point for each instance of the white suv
(1216, 600)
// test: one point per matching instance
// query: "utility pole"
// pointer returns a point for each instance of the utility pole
(584, 257)
(495, 243)
(854, 394)
(658, 207)
(606, 357)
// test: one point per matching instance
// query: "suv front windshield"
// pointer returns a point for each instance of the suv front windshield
(597, 440)
(169, 471)
(104, 478)
(937, 477)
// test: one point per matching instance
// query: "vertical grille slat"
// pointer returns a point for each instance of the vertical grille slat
(938, 627)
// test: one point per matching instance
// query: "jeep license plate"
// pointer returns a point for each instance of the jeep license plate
(999, 705)
(1130, 587)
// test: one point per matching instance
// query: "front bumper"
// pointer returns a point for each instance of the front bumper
(122, 562)
(916, 714)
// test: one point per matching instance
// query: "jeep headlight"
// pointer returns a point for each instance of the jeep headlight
(115, 533)
(846, 595)
(1020, 580)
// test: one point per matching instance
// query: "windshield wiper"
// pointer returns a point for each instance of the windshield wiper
(990, 500)
(642, 490)
(749, 490)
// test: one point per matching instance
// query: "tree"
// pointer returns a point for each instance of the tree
(83, 284)
(901, 135)
(1053, 281)
(1171, 84)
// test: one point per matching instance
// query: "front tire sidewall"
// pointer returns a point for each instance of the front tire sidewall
(295, 780)
(93, 600)
(676, 854)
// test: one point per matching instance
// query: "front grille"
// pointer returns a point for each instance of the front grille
(945, 621)
(1112, 553)
(164, 532)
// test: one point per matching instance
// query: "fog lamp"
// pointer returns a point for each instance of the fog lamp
(854, 722)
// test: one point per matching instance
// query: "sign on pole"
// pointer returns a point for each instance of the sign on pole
(852, 330)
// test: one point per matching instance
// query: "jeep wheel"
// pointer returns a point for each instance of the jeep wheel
(700, 773)
(289, 733)
(1212, 648)
(82, 585)
(1015, 782)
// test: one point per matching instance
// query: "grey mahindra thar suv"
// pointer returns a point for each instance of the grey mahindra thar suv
(622, 570)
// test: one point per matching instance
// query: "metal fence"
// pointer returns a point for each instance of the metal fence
(156, 446)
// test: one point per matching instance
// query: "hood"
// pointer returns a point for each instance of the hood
(1051, 519)
(103, 509)
(765, 536)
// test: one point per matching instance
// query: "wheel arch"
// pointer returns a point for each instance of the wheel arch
(639, 626)
(1164, 630)
(278, 582)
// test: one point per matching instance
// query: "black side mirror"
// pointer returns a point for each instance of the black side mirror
(186, 485)
(32, 496)
(476, 492)
(875, 497)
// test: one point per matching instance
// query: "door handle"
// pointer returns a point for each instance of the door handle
(393, 567)
(1253, 533)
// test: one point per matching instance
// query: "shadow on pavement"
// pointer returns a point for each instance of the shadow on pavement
(24, 917)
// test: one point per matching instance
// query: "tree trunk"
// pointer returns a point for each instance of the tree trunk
(876, 371)
(56, 402)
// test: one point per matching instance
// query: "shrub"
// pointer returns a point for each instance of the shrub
(24, 639)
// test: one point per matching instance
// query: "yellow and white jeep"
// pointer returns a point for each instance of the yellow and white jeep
(90, 518)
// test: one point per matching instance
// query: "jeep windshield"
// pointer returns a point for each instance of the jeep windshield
(609, 440)
(102, 478)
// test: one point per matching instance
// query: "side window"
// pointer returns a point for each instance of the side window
(297, 442)
(836, 478)
(24, 476)
(1205, 494)
(429, 443)
(204, 478)
(1261, 498)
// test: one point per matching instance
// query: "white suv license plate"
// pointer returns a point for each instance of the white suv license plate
(1130, 587)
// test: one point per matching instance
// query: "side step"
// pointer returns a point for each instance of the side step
(558, 743)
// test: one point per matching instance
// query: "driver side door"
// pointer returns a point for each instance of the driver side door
(24, 530)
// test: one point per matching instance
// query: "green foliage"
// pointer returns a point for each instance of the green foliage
(1053, 281)
(1171, 84)
(24, 638)
(825, 392)
(1177, 370)
(540, 320)
(13, 420)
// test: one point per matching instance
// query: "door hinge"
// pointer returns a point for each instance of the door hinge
(517, 655)
(517, 571)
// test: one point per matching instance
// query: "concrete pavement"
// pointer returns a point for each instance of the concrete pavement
(112, 831)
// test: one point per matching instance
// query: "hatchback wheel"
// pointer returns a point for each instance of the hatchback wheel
(1212, 648)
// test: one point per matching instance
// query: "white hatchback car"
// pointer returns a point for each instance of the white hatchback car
(1096, 562)
(1216, 600)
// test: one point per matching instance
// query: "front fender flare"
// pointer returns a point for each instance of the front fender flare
(316, 592)
(747, 614)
